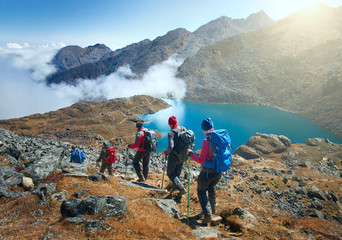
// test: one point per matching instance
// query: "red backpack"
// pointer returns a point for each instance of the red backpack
(111, 155)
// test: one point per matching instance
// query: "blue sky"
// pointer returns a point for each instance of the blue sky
(118, 23)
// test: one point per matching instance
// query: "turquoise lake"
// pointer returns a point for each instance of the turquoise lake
(241, 121)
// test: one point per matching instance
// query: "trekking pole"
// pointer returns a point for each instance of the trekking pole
(188, 206)
(126, 163)
(162, 183)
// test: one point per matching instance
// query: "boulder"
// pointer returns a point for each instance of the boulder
(246, 152)
(315, 192)
(107, 206)
(27, 183)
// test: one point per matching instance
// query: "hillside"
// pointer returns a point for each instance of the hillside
(89, 123)
(288, 191)
(294, 65)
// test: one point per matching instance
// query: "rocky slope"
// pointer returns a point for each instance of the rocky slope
(294, 64)
(285, 191)
(89, 63)
(89, 123)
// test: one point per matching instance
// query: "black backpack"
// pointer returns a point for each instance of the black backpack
(185, 140)
(150, 140)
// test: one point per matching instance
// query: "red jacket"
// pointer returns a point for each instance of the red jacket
(139, 142)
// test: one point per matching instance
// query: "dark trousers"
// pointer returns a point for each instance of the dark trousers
(145, 157)
(107, 166)
(207, 182)
(174, 170)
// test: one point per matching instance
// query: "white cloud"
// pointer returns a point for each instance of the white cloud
(23, 91)
(159, 81)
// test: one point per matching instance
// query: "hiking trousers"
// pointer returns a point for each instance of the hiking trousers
(145, 157)
(107, 166)
(207, 182)
(174, 170)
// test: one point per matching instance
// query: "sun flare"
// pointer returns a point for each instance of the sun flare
(306, 5)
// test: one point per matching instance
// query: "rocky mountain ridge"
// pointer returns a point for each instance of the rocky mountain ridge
(293, 65)
(142, 55)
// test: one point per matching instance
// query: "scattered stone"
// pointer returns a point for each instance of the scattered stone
(98, 177)
(93, 225)
(201, 233)
(27, 183)
(315, 192)
(76, 220)
(169, 206)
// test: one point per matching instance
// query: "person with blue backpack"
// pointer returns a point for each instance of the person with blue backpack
(77, 156)
(215, 158)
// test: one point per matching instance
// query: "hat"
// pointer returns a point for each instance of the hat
(106, 144)
(139, 124)
(207, 124)
(173, 121)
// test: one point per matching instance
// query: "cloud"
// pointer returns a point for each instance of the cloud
(23, 70)
(159, 81)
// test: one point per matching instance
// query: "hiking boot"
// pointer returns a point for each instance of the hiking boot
(141, 179)
(182, 192)
(207, 219)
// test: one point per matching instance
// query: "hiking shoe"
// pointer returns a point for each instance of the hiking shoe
(141, 179)
(182, 192)
(207, 219)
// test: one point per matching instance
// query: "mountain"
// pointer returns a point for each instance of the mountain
(222, 28)
(75, 64)
(74, 56)
(294, 65)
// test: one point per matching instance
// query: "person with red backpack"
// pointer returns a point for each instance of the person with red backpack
(141, 154)
(108, 157)
(208, 177)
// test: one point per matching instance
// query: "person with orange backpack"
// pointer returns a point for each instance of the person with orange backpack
(108, 157)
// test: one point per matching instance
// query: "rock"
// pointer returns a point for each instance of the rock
(14, 180)
(76, 220)
(278, 146)
(289, 156)
(206, 233)
(98, 177)
(169, 206)
(314, 141)
(315, 192)
(80, 193)
(93, 225)
(70, 207)
(246, 152)
(27, 183)
(285, 140)
(216, 220)
(338, 219)
(59, 196)
(107, 206)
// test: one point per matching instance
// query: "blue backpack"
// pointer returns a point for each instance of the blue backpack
(79, 156)
(222, 150)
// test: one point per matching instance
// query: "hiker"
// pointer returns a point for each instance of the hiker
(174, 164)
(76, 156)
(108, 157)
(208, 177)
(141, 154)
